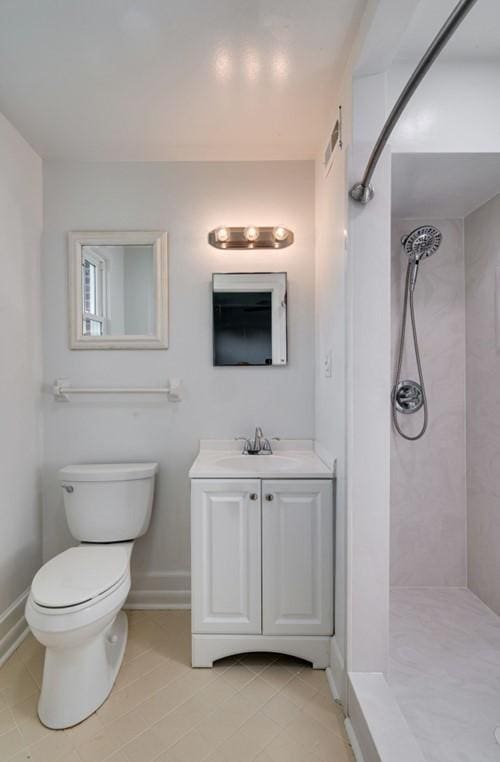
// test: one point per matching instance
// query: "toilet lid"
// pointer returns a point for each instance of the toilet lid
(79, 574)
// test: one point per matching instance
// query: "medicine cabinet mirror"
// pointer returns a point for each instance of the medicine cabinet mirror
(118, 290)
(249, 318)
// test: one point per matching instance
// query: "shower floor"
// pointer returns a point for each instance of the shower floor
(445, 672)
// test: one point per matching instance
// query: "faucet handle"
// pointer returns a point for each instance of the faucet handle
(266, 448)
(247, 446)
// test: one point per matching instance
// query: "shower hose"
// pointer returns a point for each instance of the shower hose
(408, 299)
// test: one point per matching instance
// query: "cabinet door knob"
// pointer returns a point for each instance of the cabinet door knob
(269, 498)
(253, 496)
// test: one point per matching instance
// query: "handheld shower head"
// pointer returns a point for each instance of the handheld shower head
(409, 396)
(422, 242)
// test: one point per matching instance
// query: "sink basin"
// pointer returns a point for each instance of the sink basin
(261, 463)
(223, 460)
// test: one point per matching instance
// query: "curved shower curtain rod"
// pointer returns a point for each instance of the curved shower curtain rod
(363, 191)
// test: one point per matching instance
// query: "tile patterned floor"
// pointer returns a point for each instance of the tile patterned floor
(255, 707)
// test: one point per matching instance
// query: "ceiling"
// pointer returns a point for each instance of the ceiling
(448, 186)
(172, 79)
(477, 38)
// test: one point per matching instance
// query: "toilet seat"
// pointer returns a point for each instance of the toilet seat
(80, 576)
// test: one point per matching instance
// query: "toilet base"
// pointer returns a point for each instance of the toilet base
(76, 681)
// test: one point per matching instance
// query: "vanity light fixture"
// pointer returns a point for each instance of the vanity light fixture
(280, 233)
(222, 235)
(251, 237)
(251, 233)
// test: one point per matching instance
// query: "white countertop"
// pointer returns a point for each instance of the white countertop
(291, 459)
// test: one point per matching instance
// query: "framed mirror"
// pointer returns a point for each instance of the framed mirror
(118, 290)
(249, 318)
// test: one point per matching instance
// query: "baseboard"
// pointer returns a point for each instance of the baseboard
(351, 735)
(154, 599)
(160, 590)
(331, 684)
(337, 675)
(13, 627)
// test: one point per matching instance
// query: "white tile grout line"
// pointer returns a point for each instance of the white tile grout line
(232, 664)
(17, 725)
(238, 727)
(238, 661)
(220, 677)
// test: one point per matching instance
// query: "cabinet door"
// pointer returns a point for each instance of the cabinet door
(297, 562)
(226, 555)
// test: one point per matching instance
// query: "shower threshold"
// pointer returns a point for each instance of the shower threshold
(445, 672)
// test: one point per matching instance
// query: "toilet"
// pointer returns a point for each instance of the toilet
(75, 601)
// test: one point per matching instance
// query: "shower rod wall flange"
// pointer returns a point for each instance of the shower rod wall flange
(363, 192)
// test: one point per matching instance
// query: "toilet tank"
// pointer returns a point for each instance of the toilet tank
(108, 502)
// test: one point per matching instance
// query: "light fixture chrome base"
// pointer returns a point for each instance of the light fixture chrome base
(408, 397)
(362, 193)
(277, 237)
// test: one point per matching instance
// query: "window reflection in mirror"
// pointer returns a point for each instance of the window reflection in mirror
(118, 290)
(249, 319)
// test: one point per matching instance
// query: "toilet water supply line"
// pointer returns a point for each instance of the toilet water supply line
(363, 192)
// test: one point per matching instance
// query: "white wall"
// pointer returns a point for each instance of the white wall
(456, 109)
(482, 260)
(368, 389)
(428, 491)
(20, 376)
(187, 200)
(330, 391)
(352, 423)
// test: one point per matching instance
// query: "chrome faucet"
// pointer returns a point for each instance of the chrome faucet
(259, 446)
(257, 440)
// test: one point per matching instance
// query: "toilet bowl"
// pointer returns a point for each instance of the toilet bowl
(75, 601)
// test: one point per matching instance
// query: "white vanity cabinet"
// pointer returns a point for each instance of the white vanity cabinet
(262, 567)
(297, 557)
(226, 555)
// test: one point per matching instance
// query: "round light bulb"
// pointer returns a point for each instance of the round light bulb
(222, 235)
(280, 233)
(251, 233)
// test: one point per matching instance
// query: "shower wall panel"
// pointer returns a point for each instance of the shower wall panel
(428, 487)
(482, 260)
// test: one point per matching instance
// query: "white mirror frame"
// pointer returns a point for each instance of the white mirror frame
(276, 284)
(155, 238)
